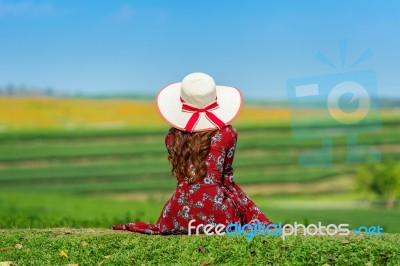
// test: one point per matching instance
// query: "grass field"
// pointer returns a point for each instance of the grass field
(91, 163)
(104, 247)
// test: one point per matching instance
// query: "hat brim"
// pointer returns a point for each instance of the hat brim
(169, 105)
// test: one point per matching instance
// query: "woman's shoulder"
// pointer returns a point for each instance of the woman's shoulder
(225, 135)
(228, 129)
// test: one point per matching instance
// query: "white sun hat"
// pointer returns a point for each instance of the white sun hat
(197, 104)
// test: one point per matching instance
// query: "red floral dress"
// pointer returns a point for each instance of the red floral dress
(217, 199)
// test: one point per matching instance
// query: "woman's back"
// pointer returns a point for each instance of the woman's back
(218, 158)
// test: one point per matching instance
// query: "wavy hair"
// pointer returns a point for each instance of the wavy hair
(188, 154)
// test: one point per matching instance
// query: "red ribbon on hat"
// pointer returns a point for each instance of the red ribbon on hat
(196, 115)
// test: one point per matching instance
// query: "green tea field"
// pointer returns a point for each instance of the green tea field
(96, 178)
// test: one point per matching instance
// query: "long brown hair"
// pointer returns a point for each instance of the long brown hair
(188, 154)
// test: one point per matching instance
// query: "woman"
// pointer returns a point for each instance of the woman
(201, 146)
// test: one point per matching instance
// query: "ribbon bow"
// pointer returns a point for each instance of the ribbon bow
(196, 115)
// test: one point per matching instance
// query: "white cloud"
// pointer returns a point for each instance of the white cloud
(25, 8)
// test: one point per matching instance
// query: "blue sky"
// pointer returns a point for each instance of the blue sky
(139, 46)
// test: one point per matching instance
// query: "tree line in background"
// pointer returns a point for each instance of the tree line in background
(22, 90)
(13, 90)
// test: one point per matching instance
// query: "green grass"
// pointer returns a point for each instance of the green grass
(53, 134)
(65, 150)
(131, 172)
(138, 145)
(106, 247)
(33, 210)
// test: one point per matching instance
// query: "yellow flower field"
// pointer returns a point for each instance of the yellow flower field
(21, 113)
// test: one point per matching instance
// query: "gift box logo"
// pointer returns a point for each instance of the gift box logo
(340, 104)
